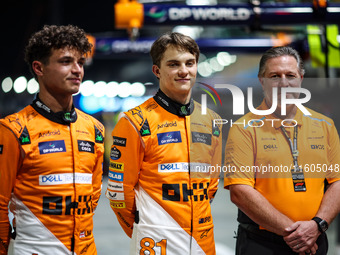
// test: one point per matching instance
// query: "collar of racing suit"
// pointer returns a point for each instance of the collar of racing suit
(62, 117)
(172, 106)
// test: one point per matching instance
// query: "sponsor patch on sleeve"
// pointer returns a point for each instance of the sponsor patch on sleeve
(145, 129)
(117, 205)
(117, 186)
(86, 146)
(116, 166)
(113, 195)
(115, 153)
(114, 176)
(25, 137)
(216, 131)
(99, 138)
(52, 147)
(119, 141)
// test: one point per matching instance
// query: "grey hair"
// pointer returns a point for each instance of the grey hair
(278, 52)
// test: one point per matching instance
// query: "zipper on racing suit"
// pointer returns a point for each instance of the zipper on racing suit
(75, 193)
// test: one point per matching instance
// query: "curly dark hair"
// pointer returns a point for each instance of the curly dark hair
(52, 37)
(182, 42)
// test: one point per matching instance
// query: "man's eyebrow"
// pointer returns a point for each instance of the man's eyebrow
(172, 60)
(66, 57)
(71, 58)
(274, 72)
(175, 60)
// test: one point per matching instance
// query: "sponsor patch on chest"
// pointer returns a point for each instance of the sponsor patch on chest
(169, 137)
(58, 179)
(52, 147)
(174, 167)
(198, 137)
(86, 146)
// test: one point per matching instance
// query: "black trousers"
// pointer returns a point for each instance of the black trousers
(253, 241)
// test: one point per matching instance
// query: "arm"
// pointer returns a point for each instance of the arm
(257, 207)
(330, 204)
(10, 158)
(241, 151)
(124, 172)
(216, 161)
(98, 173)
(307, 231)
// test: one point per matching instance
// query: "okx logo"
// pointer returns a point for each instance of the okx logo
(204, 97)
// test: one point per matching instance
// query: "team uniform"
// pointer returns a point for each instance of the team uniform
(160, 185)
(259, 154)
(51, 173)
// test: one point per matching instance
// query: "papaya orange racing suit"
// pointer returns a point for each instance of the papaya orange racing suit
(51, 170)
(160, 176)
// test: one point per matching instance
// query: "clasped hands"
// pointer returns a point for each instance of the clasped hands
(301, 237)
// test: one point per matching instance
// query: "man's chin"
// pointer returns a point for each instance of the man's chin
(75, 89)
(183, 89)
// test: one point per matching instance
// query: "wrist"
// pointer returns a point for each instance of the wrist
(321, 223)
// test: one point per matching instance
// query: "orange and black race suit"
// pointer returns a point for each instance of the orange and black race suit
(163, 174)
(51, 174)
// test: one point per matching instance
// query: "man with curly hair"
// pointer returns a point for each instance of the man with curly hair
(51, 154)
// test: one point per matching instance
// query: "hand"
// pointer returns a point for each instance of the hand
(312, 251)
(302, 237)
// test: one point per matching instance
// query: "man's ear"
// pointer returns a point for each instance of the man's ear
(37, 67)
(155, 70)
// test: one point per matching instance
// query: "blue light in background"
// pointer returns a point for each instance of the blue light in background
(93, 104)
(89, 104)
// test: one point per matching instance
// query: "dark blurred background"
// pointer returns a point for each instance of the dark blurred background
(119, 76)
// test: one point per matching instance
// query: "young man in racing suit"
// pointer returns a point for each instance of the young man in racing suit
(160, 186)
(51, 154)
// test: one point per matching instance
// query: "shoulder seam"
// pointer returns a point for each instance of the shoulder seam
(318, 119)
(133, 125)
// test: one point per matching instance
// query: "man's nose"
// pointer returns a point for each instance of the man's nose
(283, 82)
(183, 71)
(76, 68)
